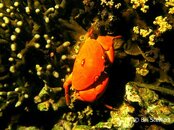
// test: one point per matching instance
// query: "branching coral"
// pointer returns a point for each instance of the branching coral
(162, 23)
(170, 4)
(142, 32)
(29, 50)
(140, 3)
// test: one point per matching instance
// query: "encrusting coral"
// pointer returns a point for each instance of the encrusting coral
(39, 41)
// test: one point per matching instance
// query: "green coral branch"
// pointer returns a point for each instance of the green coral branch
(154, 87)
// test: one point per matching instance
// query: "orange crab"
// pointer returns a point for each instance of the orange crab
(88, 77)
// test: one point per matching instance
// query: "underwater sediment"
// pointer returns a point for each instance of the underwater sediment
(39, 41)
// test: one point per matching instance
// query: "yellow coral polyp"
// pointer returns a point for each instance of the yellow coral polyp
(145, 65)
(27, 10)
(142, 70)
(16, 4)
(136, 29)
(144, 32)
(55, 74)
(151, 40)
(12, 69)
(144, 8)
(169, 3)
(109, 3)
(38, 67)
(171, 10)
(1, 5)
(6, 20)
(151, 37)
(140, 3)
(162, 23)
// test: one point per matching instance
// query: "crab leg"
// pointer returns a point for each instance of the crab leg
(66, 87)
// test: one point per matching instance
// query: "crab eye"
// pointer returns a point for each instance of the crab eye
(82, 62)
(96, 78)
(103, 57)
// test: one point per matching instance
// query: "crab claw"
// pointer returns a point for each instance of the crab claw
(107, 43)
(95, 90)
